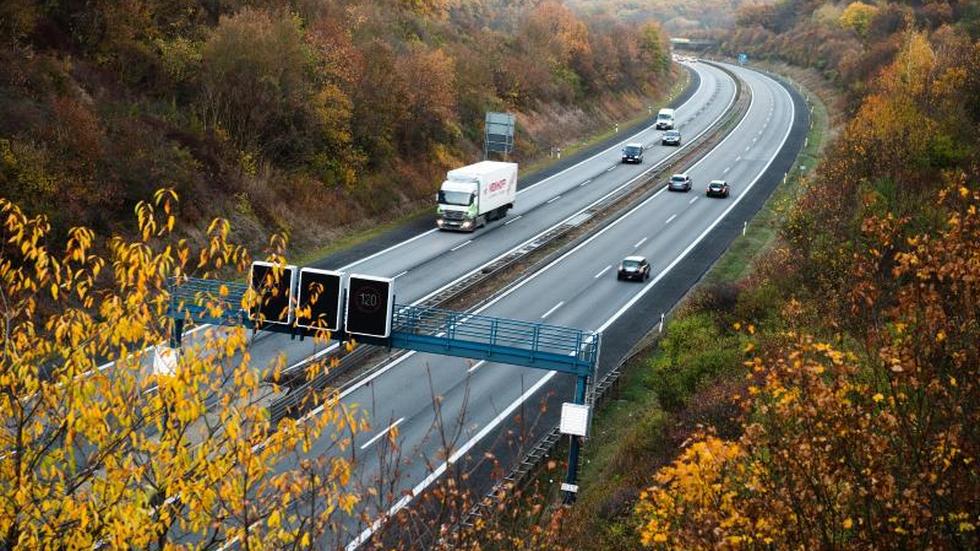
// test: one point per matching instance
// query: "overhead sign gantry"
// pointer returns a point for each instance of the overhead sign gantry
(304, 302)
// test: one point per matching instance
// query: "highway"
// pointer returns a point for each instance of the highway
(477, 401)
(432, 260)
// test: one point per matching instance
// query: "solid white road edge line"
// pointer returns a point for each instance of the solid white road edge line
(520, 191)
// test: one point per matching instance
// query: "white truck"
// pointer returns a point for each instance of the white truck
(476, 194)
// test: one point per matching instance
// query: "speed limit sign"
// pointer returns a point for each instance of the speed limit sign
(369, 305)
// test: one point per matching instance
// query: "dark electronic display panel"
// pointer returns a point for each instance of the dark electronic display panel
(274, 290)
(319, 291)
(369, 306)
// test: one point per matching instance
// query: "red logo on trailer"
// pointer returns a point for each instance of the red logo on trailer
(498, 185)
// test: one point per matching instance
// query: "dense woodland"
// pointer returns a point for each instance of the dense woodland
(271, 112)
(679, 18)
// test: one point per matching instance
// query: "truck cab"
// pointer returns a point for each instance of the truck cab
(665, 119)
(458, 205)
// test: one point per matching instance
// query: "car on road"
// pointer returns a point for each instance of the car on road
(633, 267)
(671, 137)
(717, 188)
(679, 182)
(665, 119)
(633, 153)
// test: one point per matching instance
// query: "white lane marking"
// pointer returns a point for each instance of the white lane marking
(748, 147)
(671, 219)
(461, 245)
(693, 199)
(387, 250)
(662, 162)
(514, 219)
(726, 170)
(552, 200)
(553, 308)
(382, 434)
(585, 183)
(755, 140)
(399, 274)
(640, 242)
(610, 169)
(604, 270)
(739, 158)
(476, 366)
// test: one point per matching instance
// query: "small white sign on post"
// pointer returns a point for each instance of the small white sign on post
(164, 360)
(574, 419)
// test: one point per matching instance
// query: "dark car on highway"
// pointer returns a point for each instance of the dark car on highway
(679, 182)
(633, 153)
(634, 267)
(717, 188)
(671, 137)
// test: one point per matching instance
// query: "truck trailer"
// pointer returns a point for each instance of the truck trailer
(476, 194)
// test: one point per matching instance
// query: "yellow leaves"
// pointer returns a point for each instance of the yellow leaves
(274, 520)
(848, 523)
(197, 437)
(878, 397)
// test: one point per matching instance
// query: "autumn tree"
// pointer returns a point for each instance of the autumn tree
(857, 427)
(858, 16)
(99, 447)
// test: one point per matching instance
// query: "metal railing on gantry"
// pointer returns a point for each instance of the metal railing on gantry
(474, 336)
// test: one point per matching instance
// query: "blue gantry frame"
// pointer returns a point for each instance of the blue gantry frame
(421, 328)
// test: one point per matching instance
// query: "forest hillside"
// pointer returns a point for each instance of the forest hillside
(305, 117)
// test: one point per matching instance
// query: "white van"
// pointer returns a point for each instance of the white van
(665, 119)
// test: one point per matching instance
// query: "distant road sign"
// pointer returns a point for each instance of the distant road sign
(499, 133)
(274, 285)
(743, 59)
(369, 306)
(319, 292)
